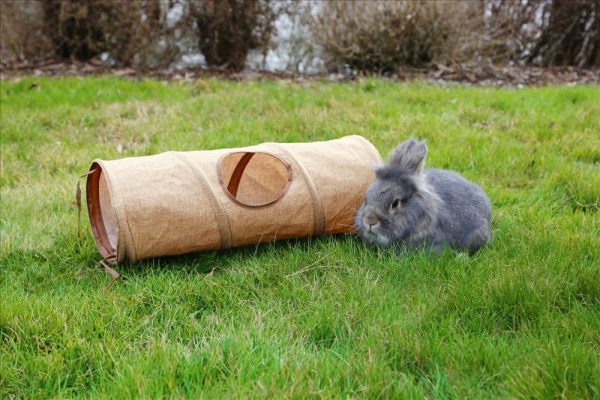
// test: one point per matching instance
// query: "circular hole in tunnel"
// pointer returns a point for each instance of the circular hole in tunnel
(254, 179)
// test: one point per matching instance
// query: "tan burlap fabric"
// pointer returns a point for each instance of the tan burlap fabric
(183, 202)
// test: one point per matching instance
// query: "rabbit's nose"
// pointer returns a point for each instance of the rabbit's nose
(371, 222)
(373, 226)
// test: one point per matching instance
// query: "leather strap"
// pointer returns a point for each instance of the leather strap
(115, 275)
(220, 215)
(236, 176)
(319, 215)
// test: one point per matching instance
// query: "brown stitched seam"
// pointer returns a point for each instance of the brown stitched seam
(220, 214)
(319, 216)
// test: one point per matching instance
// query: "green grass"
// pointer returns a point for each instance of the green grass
(324, 317)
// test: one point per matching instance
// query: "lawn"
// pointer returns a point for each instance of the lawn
(321, 317)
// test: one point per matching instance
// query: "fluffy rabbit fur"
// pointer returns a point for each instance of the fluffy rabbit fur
(411, 207)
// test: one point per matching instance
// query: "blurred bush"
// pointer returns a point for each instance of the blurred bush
(383, 36)
(570, 34)
(78, 30)
(228, 29)
(21, 38)
(129, 31)
(349, 36)
(132, 33)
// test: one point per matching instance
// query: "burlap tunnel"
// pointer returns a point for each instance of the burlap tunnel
(183, 202)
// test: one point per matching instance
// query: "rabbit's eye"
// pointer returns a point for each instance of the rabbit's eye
(395, 203)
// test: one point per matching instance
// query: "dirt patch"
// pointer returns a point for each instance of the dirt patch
(507, 75)
(513, 75)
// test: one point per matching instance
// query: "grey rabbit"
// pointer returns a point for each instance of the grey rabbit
(410, 207)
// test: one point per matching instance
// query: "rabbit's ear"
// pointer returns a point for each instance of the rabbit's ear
(408, 156)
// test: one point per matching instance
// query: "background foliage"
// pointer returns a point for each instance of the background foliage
(366, 37)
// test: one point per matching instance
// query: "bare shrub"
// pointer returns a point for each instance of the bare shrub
(128, 30)
(228, 29)
(21, 40)
(133, 33)
(540, 32)
(75, 28)
(140, 35)
(501, 31)
(570, 34)
(367, 36)
(380, 36)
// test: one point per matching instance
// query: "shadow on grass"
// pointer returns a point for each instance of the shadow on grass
(219, 260)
